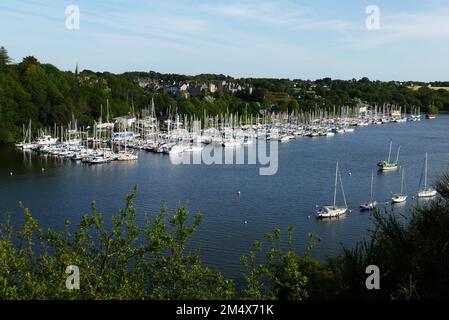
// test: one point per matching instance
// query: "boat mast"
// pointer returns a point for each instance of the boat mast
(425, 175)
(335, 185)
(397, 157)
(372, 182)
(402, 182)
(343, 190)
(389, 152)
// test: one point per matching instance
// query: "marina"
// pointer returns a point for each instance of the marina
(117, 141)
(289, 198)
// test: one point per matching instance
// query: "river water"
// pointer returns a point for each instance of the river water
(64, 190)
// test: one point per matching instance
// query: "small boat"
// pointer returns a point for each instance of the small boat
(426, 192)
(194, 148)
(232, 142)
(431, 116)
(338, 130)
(46, 141)
(400, 197)
(333, 211)
(177, 148)
(98, 160)
(127, 156)
(370, 204)
(388, 165)
(163, 148)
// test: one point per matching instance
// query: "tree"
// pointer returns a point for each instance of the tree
(4, 57)
(122, 262)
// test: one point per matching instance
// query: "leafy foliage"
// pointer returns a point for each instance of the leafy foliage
(412, 255)
(126, 262)
(280, 276)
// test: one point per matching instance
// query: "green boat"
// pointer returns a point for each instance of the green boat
(387, 165)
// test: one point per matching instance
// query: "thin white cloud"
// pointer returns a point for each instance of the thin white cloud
(277, 14)
(404, 27)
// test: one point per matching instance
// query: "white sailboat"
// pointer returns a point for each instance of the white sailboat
(126, 155)
(176, 149)
(333, 211)
(370, 204)
(400, 197)
(426, 192)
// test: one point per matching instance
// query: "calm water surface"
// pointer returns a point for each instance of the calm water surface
(304, 179)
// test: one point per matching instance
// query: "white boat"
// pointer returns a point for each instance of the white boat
(98, 159)
(338, 130)
(232, 143)
(177, 148)
(333, 211)
(370, 204)
(426, 192)
(163, 148)
(126, 156)
(194, 148)
(46, 141)
(28, 146)
(204, 139)
(400, 197)
(330, 212)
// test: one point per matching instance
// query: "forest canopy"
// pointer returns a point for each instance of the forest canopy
(31, 90)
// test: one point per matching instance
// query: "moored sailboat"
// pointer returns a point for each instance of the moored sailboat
(333, 211)
(400, 197)
(388, 165)
(426, 192)
(370, 204)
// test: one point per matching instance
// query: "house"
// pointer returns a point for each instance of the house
(212, 88)
(172, 89)
(196, 90)
(220, 85)
(184, 87)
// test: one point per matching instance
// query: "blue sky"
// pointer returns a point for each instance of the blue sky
(272, 38)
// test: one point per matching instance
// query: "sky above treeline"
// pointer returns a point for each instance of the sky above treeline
(274, 38)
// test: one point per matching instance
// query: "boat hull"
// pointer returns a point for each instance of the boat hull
(330, 212)
(399, 198)
(430, 193)
(368, 206)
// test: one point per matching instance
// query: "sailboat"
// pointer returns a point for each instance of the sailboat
(333, 211)
(370, 204)
(126, 155)
(389, 165)
(427, 192)
(400, 197)
(26, 143)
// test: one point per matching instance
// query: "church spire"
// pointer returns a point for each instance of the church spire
(77, 69)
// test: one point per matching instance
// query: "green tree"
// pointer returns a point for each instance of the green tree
(4, 57)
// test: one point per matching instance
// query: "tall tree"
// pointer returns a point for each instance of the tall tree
(4, 57)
